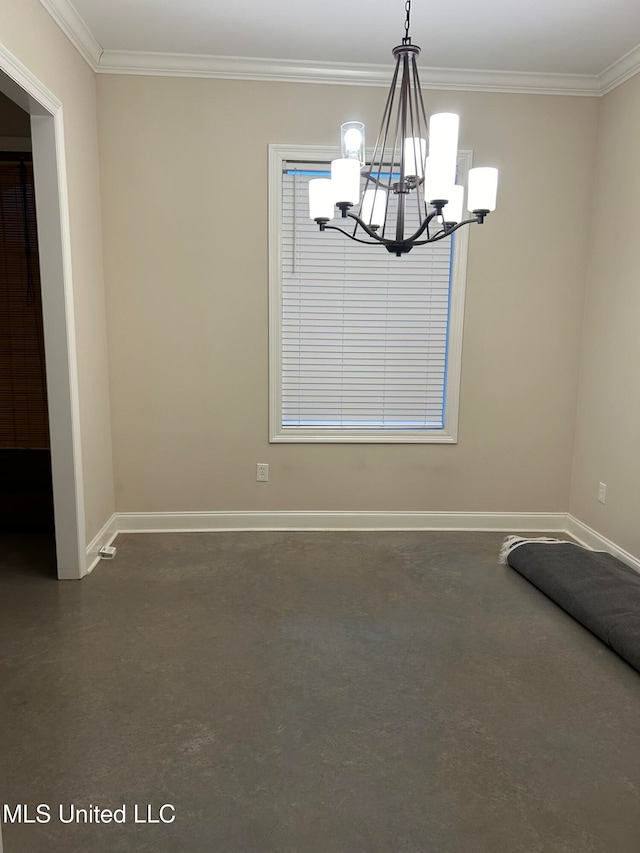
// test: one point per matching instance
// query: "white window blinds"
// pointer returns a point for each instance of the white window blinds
(364, 333)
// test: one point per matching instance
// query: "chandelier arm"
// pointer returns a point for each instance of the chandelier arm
(476, 220)
(366, 228)
(411, 241)
(439, 236)
(424, 227)
(442, 234)
(375, 242)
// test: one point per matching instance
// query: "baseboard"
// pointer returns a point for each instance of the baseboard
(526, 522)
(226, 521)
(104, 537)
(594, 540)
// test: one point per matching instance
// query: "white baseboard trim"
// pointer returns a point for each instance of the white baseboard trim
(594, 540)
(526, 522)
(104, 537)
(228, 521)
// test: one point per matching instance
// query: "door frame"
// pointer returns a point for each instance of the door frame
(54, 248)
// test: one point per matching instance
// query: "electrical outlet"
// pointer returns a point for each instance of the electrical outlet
(262, 472)
(602, 492)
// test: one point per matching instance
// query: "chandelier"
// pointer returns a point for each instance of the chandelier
(410, 195)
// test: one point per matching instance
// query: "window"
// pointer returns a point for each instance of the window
(364, 346)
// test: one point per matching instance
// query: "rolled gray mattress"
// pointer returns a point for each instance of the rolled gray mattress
(594, 587)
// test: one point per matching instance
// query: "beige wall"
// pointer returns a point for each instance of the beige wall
(28, 32)
(184, 189)
(183, 165)
(607, 442)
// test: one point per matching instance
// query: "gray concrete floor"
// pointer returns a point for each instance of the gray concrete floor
(298, 692)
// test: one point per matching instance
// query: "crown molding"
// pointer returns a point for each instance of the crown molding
(72, 24)
(66, 16)
(302, 71)
(625, 67)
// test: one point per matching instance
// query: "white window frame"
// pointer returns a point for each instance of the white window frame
(278, 155)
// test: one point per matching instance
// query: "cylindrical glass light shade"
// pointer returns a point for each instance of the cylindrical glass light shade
(415, 154)
(345, 176)
(352, 137)
(483, 189)
(452, 211)
(439, 179)
(374, 207)
(443, 136)
(321, 199)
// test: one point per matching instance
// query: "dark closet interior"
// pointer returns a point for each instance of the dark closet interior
(26, 501)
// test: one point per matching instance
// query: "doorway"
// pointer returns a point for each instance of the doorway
(26, 500)
(50, 187)
(26, 489)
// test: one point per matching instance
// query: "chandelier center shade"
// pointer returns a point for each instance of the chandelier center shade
(409, 196)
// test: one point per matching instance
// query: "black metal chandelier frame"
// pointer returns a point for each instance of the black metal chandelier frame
(404, 118)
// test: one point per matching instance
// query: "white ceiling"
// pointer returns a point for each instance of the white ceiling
(572, 37)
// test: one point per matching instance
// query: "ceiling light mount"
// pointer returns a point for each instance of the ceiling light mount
(410, 196)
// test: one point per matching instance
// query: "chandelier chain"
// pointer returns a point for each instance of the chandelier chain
(407, 23)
